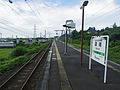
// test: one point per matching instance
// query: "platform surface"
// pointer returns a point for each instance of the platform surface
(80, 77)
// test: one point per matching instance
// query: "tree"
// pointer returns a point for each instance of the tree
(91, 28)
(114, 25)
(106, 28)
(75, 34)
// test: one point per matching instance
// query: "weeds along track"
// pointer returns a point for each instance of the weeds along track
(27, 77)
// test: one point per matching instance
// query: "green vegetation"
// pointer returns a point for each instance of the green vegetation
(18, 56)
(19, 51)
(7, 65)
(5, 53)
(114, 44)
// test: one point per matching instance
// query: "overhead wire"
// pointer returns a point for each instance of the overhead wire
(31, 8)
(100, 10)
(109, 12)
(12, 31)
(37, 10)
(23, 33)
(15, 12)
(101, 15)
(13, 24)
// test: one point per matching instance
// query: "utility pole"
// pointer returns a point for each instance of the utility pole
(1, 35)
(34, 35)
(12, 36)
(40, 35)
(45, 34)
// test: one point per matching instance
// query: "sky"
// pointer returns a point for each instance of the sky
(18, 19)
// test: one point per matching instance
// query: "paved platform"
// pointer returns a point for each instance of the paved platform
(79, 77)
(54, 83)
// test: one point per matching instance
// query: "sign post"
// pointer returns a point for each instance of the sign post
(69, 24)
(99, 51)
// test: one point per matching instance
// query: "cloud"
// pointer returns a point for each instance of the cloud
(52, 15)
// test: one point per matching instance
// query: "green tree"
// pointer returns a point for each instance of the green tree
(114, 25)
(75, 34)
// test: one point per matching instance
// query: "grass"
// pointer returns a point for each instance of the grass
(8, 62)
(5, 53)
(114, 51)
(7, 65)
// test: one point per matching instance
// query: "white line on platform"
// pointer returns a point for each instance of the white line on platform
(54, 58)
(53, 53)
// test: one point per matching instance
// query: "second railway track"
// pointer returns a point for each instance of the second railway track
(27, 77)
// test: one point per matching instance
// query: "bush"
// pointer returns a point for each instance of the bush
(19, 51)
(19, 56)
(9, 64)
(2, 59)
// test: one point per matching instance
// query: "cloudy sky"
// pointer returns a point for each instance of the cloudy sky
(19, 17)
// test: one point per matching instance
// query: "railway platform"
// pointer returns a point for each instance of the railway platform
(67, 74)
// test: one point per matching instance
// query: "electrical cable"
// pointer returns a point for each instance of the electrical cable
(12, 31)
(91, 21)
(14, 28)
(14, 11)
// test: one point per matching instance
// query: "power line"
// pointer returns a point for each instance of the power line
(35, 8)
(11, 31)
(13, 10)
(20, 14)
(34, 11)
(101, 10)
(13, 28)
(31, 8)
(91, 21)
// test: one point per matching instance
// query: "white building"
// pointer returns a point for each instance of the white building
(7, 44)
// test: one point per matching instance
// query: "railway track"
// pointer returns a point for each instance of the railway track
(27, 77)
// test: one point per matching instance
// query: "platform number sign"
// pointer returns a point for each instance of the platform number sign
(99, 51)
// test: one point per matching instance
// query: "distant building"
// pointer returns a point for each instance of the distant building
(56, 37)
(92, 31)
(29, 41)
(7, 44)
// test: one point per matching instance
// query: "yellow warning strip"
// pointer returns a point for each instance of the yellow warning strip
(65, 84)
(113, 68)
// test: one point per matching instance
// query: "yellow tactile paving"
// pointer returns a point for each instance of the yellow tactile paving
(65, 85)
